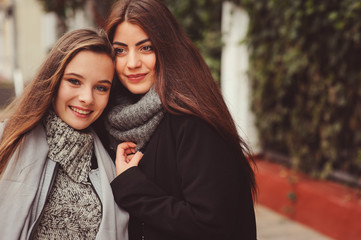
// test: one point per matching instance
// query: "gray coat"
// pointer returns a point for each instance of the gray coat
(27, 181)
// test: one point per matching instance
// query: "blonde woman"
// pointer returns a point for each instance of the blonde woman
(55, 173)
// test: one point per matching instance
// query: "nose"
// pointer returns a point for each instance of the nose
(86, 96)
(134, 60)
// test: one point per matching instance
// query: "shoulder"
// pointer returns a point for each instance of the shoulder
(192, 128)
(38, 132)
(186, 122)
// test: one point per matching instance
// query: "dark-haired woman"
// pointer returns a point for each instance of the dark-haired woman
(194, 180)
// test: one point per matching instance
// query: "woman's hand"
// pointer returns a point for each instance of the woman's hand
(126, 157)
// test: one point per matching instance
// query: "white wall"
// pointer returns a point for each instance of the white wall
(6, 43)
(26, 39)
(234, 81)
(30, 50)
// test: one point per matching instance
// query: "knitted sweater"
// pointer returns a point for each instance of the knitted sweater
(73, 210)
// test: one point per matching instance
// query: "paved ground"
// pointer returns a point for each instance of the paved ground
(273, 226)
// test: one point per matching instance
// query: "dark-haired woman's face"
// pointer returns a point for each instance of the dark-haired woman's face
(136, 59)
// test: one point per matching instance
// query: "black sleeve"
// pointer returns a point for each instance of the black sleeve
(216, 200)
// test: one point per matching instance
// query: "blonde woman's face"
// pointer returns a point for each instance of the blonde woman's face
(84, 89)
(136, 59)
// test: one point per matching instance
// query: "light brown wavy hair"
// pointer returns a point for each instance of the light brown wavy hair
(27, 110)
(183, 80)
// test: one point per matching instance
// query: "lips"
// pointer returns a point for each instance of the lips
(136, 77)
(80, 111)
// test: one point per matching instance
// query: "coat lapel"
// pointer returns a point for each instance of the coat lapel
(19, 184)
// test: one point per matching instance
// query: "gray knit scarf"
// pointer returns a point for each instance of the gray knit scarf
(72, 210)
(72, 149)
(134, 121)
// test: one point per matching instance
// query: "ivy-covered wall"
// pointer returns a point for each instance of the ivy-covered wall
(305, 69)
(201, 20)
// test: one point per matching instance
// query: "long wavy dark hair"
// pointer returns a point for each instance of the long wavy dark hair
(183, 80)
(25, 112)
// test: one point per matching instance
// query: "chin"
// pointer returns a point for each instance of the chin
(138, 91)
(78, 126)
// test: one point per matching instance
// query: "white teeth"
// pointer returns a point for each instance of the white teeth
(80, 111)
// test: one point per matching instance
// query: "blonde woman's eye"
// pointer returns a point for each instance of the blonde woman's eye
(74, 81)
(102, 88)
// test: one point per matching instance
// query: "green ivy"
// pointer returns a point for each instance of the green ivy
(306, 78)
(66, 8)
(201, 20)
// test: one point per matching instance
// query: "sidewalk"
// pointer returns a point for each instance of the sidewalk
(273, 226)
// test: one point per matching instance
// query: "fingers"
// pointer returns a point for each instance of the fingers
(125, 162)
(126, 148)
(125, 145)
(126, 157)
(136, 158)
(129, 151)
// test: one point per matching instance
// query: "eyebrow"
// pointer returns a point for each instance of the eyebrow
(73, 74)
(137, 44)
(105, 81)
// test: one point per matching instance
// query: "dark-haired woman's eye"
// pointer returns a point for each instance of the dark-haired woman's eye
(119, 51)
(147, 48)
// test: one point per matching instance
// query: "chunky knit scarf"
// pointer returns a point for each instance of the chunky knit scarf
(73, 209)
(135, 121)
(72, 149)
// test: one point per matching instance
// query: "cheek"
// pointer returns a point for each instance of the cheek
(60, 98)
(119, 66)
(102, 102)
(119, 69)
(55, 105)
(122, 80)
(151, 61)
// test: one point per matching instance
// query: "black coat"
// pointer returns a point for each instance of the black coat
(188, 185)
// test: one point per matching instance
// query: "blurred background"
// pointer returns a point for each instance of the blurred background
(290, 72)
